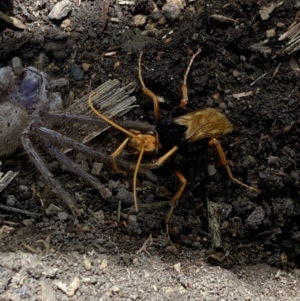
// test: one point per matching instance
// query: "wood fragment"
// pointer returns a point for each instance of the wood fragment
(148, 242)
(47, 243)
(104, 15)
(223, 19)
(111, 99)
(259, 78)
(12, 209)
(6, 179)
(5, 229)
(12, 20)
(243, 94)
(126, 2)
(293, 39)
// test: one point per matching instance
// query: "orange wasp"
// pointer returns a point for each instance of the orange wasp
(191, 127)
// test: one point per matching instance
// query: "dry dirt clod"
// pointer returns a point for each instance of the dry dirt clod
(48, 293)
(270, 33)
(256, 218)
(139, 20)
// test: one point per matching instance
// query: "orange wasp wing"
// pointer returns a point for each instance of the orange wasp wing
(205, 123)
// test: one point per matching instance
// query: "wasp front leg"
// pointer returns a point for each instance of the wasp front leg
(161, 160)
(116, 154)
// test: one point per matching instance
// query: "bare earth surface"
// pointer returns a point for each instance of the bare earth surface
(110, 253)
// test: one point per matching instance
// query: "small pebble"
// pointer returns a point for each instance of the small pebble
(66, 23)
(103, 265)
(87, 264)
(280, 25)
(85, 67)
(171, 11)
(211, 170)
(171, 249)
(256, 218)
(63, 215)
(23, 188)
(76, 72)
(270, 33)
(96, 168)
(125, 196)
(223, 106)
(243, 58)
(11, 200)
(236, 73)
(53, 209)
(99, 216)
(60, 10)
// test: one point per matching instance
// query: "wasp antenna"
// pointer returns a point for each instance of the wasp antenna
(184, 89)
(149, 93)
(106, 119)
(138, 164)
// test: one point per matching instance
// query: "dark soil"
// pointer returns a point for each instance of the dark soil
(263, 149)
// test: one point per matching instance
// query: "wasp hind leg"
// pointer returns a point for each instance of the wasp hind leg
(175, 200)
(215, 142)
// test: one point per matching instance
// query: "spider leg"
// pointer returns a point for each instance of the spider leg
(74, 168)
(127, 124)
(149, 93)
(58, 83)
(184, 89)
(47, 175)
(6, 78)
(175, 199)
(63, 115)
(215, 142)
(57, 137)
(17, 66)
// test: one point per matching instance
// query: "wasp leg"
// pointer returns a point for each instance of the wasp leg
(175, 199)
(184, 89)
(224, 162)
(162, 159)
(116, 154)
(149, 93)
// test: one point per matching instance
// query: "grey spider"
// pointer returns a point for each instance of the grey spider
(26, 107)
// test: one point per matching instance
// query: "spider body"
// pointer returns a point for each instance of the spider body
(27, 107)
